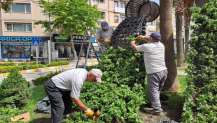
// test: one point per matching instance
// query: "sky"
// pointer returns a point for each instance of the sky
(157, 1)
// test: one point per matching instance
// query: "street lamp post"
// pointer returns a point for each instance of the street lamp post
(49, 42)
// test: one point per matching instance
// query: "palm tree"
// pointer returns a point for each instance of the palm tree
(166, 29)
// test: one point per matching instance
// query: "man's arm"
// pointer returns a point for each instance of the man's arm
(79, 103)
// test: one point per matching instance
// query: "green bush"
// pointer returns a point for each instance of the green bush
(6, 67)
(202, 60)
(117, 103)
(200, 98)
(122, 91)
(14, 91)
(41, 80)
(7, 113)
(56, 63)
(122, 66)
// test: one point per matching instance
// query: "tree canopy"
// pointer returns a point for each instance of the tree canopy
(70, 16)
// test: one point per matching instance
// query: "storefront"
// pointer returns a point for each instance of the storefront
(18, 47)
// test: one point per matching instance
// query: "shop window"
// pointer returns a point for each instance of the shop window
(16, 51)
(19, 27)
(20, 8)
(116, 19)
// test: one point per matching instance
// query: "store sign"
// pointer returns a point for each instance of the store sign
(20, 38)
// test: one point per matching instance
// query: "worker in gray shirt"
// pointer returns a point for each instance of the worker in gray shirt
(65, 88)
(154, 58)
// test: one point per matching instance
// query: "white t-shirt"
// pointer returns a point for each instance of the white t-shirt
(71, 80)
(154, 56)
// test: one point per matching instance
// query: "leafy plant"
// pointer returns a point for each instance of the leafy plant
(7, 113)
(200, 105)
(6, 67)
(14, 91)
(102, 96)
(122, 91)
(123, 66)
(70, 16)
(41, 80)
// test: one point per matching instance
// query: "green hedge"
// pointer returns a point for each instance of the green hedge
(200, 99)
(122, 91)
(6, 67)
(41, 80)
(14, 91)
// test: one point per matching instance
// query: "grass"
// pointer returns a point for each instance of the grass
(38, 93)
(183, 83)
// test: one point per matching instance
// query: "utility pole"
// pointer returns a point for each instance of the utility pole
(49, 42)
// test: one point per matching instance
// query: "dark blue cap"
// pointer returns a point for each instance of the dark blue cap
(156, 35)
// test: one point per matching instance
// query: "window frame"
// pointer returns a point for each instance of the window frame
(25, 8)
(25, 25)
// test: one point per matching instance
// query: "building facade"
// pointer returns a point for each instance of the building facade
(19, 35)
(113, 11)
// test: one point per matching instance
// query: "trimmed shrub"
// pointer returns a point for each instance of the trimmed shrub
(14, 90)
(200, 100)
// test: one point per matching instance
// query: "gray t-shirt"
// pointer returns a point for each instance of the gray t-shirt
(106, 35)
(154, 56)
(71, 80)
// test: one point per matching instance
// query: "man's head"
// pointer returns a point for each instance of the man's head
(94, 75)
(156, 36)
(104, 26)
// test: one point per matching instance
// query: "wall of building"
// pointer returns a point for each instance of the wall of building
(114, 10)
(12, 17)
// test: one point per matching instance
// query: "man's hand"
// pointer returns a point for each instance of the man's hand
(96, 114)
(89, 113)
(133, 44)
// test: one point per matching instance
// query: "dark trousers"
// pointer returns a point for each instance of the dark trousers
(60, 100)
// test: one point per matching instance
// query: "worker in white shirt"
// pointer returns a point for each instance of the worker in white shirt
(154, 58)
(65, 88)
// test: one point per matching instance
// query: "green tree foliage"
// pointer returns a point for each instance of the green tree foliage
(14, 91)
(70, 16)
(122, 66)
(122, 91)
(203, 51)
(4, 4)
(117, 103)
(200, 105)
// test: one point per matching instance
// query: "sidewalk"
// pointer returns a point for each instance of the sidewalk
(32, 74)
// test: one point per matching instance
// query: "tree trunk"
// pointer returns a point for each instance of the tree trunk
(187, 20)
(166, 29)
(179, 40)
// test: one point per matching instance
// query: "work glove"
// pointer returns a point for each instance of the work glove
(96, 114)
(89, 113)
